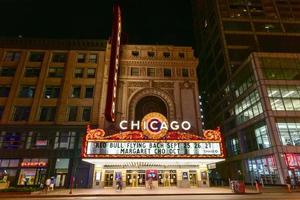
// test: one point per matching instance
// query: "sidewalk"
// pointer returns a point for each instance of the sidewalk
(147, 192)
(131, 192)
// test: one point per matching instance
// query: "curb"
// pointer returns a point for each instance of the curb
(114, 195)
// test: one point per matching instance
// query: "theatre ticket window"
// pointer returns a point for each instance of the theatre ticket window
(262, 168)
(289, 131)
(65, 140)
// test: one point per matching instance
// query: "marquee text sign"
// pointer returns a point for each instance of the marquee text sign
(154, 148)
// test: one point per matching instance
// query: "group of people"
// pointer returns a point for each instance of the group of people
(291, 183)
(49, 184)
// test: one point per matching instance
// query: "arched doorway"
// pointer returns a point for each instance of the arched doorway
(150, 104)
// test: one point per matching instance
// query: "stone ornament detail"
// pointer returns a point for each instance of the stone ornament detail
(163, 84)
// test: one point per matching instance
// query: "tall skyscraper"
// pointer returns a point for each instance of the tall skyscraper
(249, 83)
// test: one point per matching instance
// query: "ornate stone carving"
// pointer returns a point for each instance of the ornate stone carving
(163, 84)
(131, 91)
(138, 84)
(187, 85)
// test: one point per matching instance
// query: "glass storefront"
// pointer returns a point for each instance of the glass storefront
(262, 168)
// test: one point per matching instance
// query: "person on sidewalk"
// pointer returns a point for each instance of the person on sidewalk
(258, 186)
(52, 182)
(47, 184)
(288, 183)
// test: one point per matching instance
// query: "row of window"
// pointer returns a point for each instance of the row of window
(284, 97)
(53, 72)
(56, 57)
(289, 132)
(28, 91)
(35, 140)
(152, 54)
(48, 113)
(167, 72)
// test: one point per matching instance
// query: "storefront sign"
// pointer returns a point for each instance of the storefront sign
(154, 148)
(33, 164)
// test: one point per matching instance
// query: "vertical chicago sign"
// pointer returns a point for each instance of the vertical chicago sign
(110, 108)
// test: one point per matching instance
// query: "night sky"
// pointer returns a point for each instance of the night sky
(144, 21)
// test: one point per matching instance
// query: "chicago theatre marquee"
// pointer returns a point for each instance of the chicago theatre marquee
(150, 126)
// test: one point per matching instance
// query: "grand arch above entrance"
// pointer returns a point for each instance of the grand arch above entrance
(159, 98)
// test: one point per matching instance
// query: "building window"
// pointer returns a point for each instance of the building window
(76, 91)
(233, 146)
(284, 97)
(59, 57)
(167, 72)
(1, 111)
(4, 90)
(135, 53)
(185, 72)
(150, 71)
(93, 58)
(41, 140)
(151, 54)
(72, 113)
(89, 92)
(91, 73)
(27, 91)
(248, 108)
(166, 54)
(11, 140)
(32, 72)
(289, 132)
(65, 140)
(51, 92)
(36, 56)
(47, 113)
(56, 72)
(262, 168)
(262, 138)
(78, 73)
(21, 113)
(134, 71)
(86, 114)
(81, 57)
(7, 71)
(181, 55)
(12, 56)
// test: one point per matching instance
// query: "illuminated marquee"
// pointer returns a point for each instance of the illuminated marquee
(158, 143)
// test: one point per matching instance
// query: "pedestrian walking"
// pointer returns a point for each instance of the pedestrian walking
(47, 183)
(258, 185)
(52, 182)
(288, 183)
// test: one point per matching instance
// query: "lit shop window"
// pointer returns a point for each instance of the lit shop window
(36, 56)
(262, 168)
(289, 132)
(12, 56)
(284, 97)
(248, 108)
(33, 171)
(292, 160)
(65, 140)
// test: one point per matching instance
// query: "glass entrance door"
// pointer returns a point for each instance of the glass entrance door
(141, 179)
(193, 179)
(109, 179)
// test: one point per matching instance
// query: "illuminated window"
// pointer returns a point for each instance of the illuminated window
(289, 131)
(56, 72)
(284, 97)
(78, 73)
(26, 91)
(91, 73)
(65, 140)
(93, 58)
(81, 57)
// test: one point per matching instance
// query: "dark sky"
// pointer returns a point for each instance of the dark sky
(145, 21)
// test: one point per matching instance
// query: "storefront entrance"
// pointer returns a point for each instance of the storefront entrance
(295, 176)
(108, 178)
(135, 178)
(193, 179)
(61, 176)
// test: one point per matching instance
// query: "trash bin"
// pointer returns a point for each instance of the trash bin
(237, 186)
